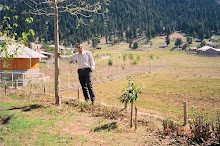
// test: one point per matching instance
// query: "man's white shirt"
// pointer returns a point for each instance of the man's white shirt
(84, 60)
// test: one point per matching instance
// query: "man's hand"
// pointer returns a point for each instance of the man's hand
(58, 54)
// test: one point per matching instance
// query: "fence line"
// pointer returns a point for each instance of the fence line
(109, 74)
(36, 84)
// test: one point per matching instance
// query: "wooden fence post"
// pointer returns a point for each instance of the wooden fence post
(16, 84)
(44, 88)
(68, 79)
(5, 89)
(78, 92)
(185, 113)
(135, 118)
(131, 121)
(12, 79)
(23, 80)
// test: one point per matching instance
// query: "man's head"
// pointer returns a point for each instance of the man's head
(79, 48)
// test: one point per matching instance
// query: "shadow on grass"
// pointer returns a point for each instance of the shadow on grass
(5, 120)
(26, 108)
(108, 127)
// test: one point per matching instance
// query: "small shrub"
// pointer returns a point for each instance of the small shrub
(205, 131)
(110, 62)
(124, 56)
(138, 58)
(134, 62)
(201, 129)
(97, 56)
(216, 129)
(169, 126)
(131, 56)
(151, 56)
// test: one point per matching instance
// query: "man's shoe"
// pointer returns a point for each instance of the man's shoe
(93, 102)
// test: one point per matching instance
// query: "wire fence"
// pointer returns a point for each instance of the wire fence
(106, 73)
(37, 84)
(29, 84)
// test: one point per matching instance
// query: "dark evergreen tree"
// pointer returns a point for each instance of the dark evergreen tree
(189, 40)
(167, 40)
(135, 46)
(202, 43)
(132, 17)
(95, 42)
(184, 47)
(178, 42)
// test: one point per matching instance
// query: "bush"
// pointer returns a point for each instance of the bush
(124, 57)
(131, 56)
(216, 129)
(134, 62)
(201, 129)
(205, 131)
(110, 62)
(151, 56)
(138, 58)
(169, 126)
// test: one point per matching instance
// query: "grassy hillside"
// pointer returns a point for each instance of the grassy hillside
(170, 77)
(185, 77)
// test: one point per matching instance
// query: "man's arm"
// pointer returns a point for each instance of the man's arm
(69, 57)
(92, 62)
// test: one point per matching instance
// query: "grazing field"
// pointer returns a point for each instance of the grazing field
(170, 77)
(186, 78)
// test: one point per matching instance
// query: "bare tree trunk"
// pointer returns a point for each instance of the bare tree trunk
(125, 105)
(56, 41)
(131, 121)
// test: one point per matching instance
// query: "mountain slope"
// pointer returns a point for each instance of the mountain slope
(150, 17)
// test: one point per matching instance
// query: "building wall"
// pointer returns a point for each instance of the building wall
(20, 64)
(210, 52)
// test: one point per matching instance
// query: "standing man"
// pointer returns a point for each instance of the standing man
(86, 65)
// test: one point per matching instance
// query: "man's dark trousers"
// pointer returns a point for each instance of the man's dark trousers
(85, 78)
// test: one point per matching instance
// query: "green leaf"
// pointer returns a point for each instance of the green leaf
(83, 2)
(99, 7)
(9, 26)
(8, 8)
(29, 20)
(16, 17)
(106, 10)
(5, 18)
(15, 24)
(87, 5)
(91, 20)
(32, 32)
